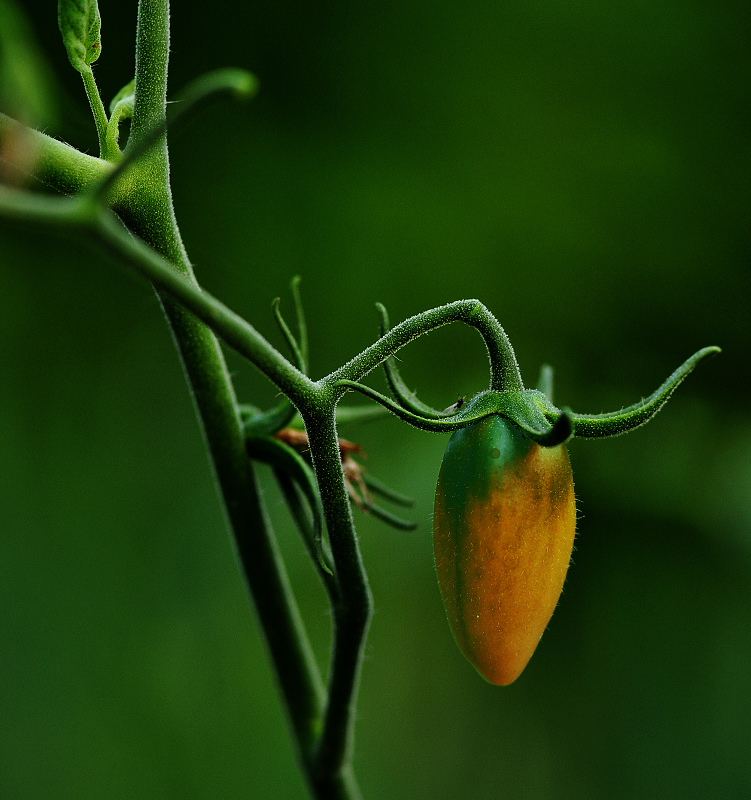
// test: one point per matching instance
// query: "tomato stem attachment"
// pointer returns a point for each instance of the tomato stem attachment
(532, 410)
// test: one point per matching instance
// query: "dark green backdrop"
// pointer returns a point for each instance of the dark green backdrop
(583, 169)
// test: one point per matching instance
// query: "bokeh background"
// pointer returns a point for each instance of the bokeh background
(583, 169)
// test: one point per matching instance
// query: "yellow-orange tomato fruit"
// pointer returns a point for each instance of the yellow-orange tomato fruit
(504, 526)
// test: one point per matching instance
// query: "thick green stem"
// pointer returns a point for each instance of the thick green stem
(152, 54)
(55, 163)
(151, 217)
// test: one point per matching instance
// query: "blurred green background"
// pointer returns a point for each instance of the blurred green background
(583, 169)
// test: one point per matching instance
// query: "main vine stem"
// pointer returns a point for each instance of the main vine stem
(150, 215)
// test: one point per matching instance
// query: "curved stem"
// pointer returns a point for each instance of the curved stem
(287, 462)
(293, 494)
(399, 390)
(505, 375)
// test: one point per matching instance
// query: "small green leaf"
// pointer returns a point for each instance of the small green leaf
(80, 26)
(266, 423)
(126, 96)
(302, 327)
(121, 108)
(386, 491)
(288, 336)
(387, 517)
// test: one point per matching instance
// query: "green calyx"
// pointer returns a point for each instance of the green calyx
(524, 408)
(532, 410)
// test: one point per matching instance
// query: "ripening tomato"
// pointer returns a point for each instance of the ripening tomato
(504, 528)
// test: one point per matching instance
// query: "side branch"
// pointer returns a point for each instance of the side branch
(54, 163)
(505, 375)
(233, 329)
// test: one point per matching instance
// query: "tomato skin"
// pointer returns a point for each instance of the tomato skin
(504, 525)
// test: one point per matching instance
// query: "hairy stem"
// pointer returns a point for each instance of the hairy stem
(236, 332)
(97, 109)
(505, 375)
(322, 722)
(214, 398)
(353, 606)
(56, 164)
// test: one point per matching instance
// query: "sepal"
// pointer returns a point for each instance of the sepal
(619, 422)
(531, 409)
(526, 409)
